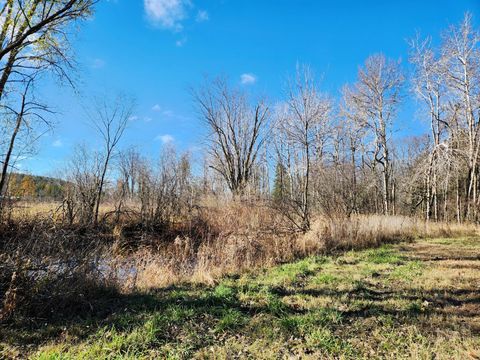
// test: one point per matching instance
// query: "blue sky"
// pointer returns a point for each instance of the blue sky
(155, 50)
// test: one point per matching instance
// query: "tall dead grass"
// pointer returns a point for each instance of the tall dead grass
(363, 231)
(249, 237)
(45, 266)
(234, 238)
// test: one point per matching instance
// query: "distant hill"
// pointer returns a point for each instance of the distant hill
(32, 186)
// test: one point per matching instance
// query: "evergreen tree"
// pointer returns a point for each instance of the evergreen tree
(281, 184)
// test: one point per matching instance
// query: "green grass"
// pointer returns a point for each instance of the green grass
(457, 242)
(377, 303)
(382, 255)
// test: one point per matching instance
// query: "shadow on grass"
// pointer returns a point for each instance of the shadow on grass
(177, 305)
(209, 309)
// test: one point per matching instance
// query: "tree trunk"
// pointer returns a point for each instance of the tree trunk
(100, 187)
(6, 162)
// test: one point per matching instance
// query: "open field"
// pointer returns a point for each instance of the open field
(28, 209)
(410, 300)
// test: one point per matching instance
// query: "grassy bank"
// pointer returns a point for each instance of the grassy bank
(396, 301)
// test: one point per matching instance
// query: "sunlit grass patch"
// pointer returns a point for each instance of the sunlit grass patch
(325, 279)
(382, 255)
(407, 272)
(457, 242)
(323, 339)
(231, 319)
(288, 274)
(224, 292)
(304, 323)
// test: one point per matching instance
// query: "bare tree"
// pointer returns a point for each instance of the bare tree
(300, 132)
(236, 131)
(375, 98)
(429, 86)
(461, 54)
(355, 128)
(110, 119)
(83, 179)
(165, 191)
(129, 161)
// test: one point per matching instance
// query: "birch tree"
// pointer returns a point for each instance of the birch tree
(461, 54)
(375, 97)
(429, 86)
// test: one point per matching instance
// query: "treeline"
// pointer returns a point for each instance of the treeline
(310, 153)
(341, 156)
(24, 186)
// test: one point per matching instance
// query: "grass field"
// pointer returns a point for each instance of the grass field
(29, 209)
(416, 300)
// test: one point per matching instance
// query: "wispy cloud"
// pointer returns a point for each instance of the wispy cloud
(167, 14)
(134, 118)
(98, 63)
(165, 139)
(180, 42)
(202, 15)
(57, 143)
(172, 14)
(248, 79)
(165, 112)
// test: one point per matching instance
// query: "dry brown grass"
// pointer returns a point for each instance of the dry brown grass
(247, 237)
(44, 266)
(218, 241)
(215, 240)
(363, 231)
(35, 209)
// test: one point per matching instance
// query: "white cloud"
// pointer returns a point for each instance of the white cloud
(202, 15)
(248, 79)
(156, 107)
(165, 139)
(57, 143)
(168, 14)
(180, 42)
(98, 63)
(133, 118)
